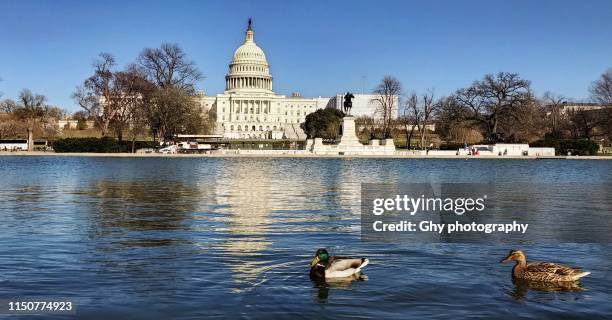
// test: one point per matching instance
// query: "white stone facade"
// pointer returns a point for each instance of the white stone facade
(363, 105)
(249, 109)
(349, 143)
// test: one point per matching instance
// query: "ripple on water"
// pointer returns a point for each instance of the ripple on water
(193, 238)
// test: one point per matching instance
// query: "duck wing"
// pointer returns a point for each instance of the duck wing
(546, 271)
(340, 267)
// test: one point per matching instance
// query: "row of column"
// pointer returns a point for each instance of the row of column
(250, 107)
(248, 82)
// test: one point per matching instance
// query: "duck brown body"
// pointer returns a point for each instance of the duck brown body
(542, 271)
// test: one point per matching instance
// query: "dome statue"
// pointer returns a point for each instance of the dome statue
(249, 70)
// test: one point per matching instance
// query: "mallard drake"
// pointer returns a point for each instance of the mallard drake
(322, 266)
(541, 271)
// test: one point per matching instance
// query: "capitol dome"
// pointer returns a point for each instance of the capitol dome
(249, 70)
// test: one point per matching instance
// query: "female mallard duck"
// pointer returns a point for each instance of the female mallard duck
(541, 271)
(324, 267)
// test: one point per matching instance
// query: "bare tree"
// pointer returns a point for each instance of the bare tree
(387, 93)
(172, 102)
(32, 111)
(552, 104)
(526, 125)
(174, 111)
(601, 89)
(420, 112)
(428, 107)
(135, 93)
(168, 66)
(412, 117)
(494, 99)
(9, 127)
(98, 95)
(583, 123)
(8, 106)
(366, 125)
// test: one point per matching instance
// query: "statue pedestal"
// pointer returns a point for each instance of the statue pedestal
(349, 138)
(349, 143)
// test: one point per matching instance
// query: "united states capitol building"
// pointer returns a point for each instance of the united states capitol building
(250, 109)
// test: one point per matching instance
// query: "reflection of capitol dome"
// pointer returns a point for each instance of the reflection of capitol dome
(245, 197)
(249, 71)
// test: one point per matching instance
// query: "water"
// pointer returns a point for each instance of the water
(188, 238)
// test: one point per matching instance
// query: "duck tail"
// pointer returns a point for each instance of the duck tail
(364, 262)
(580, 275)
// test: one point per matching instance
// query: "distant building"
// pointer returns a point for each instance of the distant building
(363, 105)
(248, 108)
(72, 124)
(580, 106)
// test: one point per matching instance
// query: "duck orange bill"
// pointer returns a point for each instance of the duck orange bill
(314, 261)
(506, 259)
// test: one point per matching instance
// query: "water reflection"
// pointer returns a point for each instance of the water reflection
(134, 210)
(245, 200)
(522, 287)
(323, 288)
(178, 238)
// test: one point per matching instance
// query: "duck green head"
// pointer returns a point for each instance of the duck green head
(320, 256)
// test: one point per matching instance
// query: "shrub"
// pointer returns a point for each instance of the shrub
(98, 145)
(575, 147)
(452, 146)
(323, 123)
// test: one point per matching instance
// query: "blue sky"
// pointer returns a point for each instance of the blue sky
(318, 48)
